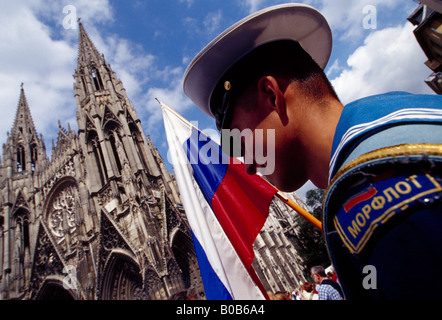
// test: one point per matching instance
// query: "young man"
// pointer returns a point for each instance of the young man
(380, 158)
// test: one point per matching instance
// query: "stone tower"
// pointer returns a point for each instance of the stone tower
(102, 218)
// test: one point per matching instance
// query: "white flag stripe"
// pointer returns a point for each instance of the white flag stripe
(205, 226)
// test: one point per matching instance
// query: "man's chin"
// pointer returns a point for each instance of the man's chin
(284, 184)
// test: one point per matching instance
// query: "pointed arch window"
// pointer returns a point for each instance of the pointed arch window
(98, 83)
(21, 243)
(98, 153)
(34, 157)
(95, 149)
(115, 151)
(139, 143)
(21, 159)
(23, 229)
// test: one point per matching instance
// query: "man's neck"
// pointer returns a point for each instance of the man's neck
(323, 132)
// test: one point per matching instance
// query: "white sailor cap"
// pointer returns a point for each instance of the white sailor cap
(292, 21)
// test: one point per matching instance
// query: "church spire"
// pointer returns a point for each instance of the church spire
(108, 126)
(24, 148)
(23, 128)
(92, 69)
(87, 52)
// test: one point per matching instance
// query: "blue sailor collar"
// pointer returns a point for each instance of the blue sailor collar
(365, 117)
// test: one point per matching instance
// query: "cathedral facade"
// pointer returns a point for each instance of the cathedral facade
(102, 218)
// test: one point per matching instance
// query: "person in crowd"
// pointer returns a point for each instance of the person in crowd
(282, 295)
(308, 292)
(327, 289)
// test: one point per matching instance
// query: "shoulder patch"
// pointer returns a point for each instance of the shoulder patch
(363, 213)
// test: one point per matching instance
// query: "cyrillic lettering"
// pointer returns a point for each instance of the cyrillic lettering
(378, 202)
(399, 189)
(354, 229)
(360, 219)
(415, 182)
(394, 193)
(366, 210)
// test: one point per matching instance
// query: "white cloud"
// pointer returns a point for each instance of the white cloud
(346, 18)
(207, 27)
(212, 21)
(36, 49)
(172, 95)
(188, 2)
(95, 12)
(131, 64)
(28, 54)
(335, 68)
(389, 60)
(253, 5)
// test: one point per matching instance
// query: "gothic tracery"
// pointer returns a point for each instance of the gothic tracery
(61, 216)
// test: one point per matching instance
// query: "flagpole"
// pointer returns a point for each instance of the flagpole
(305, 214)
(292, 204)
(163, 105)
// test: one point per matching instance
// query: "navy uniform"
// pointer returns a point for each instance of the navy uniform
(382, 208)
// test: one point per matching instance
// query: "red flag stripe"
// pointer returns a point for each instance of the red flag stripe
(241, 204)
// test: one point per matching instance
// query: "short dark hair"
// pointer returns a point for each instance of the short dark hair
(283, 59)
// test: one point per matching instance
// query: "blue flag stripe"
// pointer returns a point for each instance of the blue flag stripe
(208, 162)
(214, 288)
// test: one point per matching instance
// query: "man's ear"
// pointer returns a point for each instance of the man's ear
(271, 91)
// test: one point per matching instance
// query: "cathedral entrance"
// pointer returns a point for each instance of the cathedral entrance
(183, 250)
(122, 279)
(53, 290)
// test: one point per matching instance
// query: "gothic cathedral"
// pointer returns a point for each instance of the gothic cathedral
(102, 219)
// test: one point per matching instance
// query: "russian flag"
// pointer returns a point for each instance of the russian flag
(226, 209)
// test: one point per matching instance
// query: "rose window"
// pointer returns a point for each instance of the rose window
(61, 217)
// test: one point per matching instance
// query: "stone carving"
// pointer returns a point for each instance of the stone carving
(46, 261)
(67, 169)
(61, 217)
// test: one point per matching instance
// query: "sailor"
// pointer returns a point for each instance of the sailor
(380, 158)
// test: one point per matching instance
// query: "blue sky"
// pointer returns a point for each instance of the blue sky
(150, 43)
